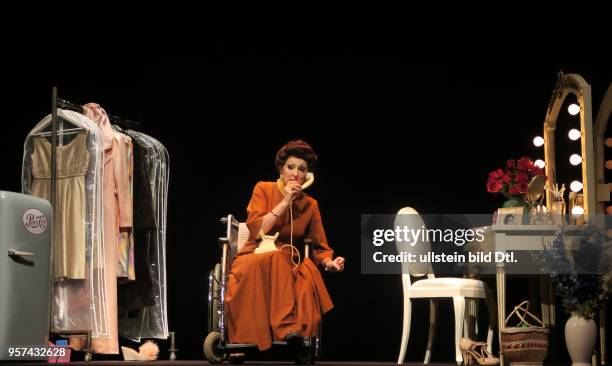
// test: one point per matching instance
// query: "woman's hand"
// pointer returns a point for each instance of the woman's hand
(336, 265)
(291, 189)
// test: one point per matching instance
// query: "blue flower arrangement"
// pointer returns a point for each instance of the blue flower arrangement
(582, 279)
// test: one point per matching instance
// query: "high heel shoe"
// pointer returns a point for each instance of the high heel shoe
(476, 350)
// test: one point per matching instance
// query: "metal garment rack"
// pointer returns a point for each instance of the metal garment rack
(64, 104)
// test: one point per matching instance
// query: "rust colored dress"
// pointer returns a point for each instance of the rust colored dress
(267, 297)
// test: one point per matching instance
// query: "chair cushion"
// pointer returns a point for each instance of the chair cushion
(448, 282)
(448, 286)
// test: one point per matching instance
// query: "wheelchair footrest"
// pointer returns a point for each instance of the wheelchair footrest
(251, 345)
(239, 345)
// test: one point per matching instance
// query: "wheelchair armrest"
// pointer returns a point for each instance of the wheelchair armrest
(227, 218)
(309, 244)
(222, 240)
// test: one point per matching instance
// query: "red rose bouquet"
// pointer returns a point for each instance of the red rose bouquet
(513, 181)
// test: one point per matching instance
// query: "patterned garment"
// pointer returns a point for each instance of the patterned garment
(69, 227)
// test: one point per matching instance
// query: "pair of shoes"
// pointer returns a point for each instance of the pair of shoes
(472, 350)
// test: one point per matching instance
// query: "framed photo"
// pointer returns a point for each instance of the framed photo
(510, 216)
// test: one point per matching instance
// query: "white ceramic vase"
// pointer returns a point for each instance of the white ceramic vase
(580, 337)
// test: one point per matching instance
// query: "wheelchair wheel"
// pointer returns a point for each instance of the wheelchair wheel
(211, 348)
(214, 295)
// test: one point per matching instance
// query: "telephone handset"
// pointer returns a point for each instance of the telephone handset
(307, 183)
(309, 180)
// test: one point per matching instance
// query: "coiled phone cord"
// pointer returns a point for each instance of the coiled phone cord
(291, 239)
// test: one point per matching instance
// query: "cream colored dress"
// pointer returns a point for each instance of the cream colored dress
(70, 209)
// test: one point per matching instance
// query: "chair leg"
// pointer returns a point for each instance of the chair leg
(405, 329)
(492, 312)
(471, 316)
(433, 313)
(459, 304)
(467, 330)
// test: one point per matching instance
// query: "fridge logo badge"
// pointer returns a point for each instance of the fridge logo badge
(35, 221)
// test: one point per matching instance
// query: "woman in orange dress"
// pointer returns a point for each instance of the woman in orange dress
(270, 298)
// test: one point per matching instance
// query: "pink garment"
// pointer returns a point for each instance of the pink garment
(96, 113)
(110, 344)
(123, 180)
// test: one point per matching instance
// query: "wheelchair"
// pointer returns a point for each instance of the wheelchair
(216, 345)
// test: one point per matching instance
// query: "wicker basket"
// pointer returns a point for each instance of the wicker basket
(524, 344)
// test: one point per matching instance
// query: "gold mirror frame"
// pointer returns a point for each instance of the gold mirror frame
(574, 84)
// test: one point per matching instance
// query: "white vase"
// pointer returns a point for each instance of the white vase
(580, 337)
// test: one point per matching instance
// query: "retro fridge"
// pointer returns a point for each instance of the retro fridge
(25, 241)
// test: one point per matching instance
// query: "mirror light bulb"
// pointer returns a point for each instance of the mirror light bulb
(575, 159)
(538, 141)
(573, 109)
(578, 210)
(574, 134)
(539, 163)
(576, 186)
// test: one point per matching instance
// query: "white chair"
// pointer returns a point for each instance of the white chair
(434, 288)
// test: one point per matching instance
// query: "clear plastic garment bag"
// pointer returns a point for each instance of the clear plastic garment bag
(78, 291)
(152, 321)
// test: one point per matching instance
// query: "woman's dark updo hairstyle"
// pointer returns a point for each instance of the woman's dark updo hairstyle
(299, 149)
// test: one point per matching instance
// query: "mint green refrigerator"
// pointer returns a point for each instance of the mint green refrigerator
(25, 241)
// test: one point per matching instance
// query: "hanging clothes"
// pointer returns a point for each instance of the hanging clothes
(141, 318)
(78, 288)
(139, 293)
(110, 185)
(69, 228)
(110, 227)
(123, 167)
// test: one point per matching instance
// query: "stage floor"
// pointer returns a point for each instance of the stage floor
(275, 363)
(197, 363)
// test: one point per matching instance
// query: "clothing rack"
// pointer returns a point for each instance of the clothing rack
(125, 123)
(64, 104)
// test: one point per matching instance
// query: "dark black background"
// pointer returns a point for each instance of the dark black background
(391, 130)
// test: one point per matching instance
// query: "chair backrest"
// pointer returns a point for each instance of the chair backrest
(243, 234)
(237, 233)
(418, 243)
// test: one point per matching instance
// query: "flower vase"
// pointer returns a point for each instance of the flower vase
(515, 202)
(580, 337)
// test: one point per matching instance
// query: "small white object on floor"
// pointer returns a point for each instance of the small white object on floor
(149, 351)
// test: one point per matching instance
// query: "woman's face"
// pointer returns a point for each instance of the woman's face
(295, 169)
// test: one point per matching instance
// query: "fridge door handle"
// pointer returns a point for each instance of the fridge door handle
(17, 253)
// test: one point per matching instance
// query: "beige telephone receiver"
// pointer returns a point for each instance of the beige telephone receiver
(267, 241)
(307, 183)
(309, 180)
